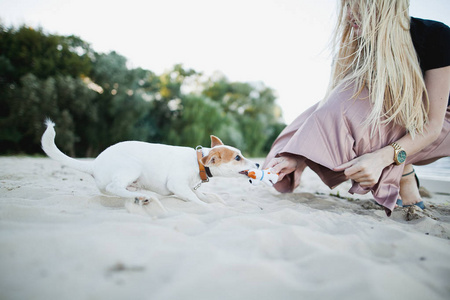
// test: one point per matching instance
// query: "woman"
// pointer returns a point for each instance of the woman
(383, 111)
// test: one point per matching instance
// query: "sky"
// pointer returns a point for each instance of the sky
(282, 43)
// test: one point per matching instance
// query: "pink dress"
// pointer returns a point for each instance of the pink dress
(329, 135)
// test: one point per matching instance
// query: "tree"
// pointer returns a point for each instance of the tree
(31, 65)
(96, 100)
(252, 109)
(199, 118)
(32, 51)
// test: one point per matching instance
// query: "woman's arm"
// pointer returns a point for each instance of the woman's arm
(367, 168)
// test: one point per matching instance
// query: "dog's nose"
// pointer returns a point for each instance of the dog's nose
(257, 166)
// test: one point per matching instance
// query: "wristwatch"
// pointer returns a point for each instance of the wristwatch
(399, 154)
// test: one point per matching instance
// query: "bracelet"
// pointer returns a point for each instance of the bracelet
(408, 173)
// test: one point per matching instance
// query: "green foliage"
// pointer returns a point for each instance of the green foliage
(198, 118)
(253, 111)
(32, 51)
(96, 100)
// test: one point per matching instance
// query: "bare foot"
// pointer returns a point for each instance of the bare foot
(409, 192)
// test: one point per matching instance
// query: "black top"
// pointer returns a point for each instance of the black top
(431, 40)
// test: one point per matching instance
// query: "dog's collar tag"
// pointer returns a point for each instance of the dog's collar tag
(203, 171)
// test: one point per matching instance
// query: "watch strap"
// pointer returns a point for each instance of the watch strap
(396, 146)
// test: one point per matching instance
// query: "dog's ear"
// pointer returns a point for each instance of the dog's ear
(211, 159)
(215, 141)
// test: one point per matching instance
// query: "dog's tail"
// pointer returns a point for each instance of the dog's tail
(49, 147)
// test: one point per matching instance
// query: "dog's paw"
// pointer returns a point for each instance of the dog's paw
(141, 201)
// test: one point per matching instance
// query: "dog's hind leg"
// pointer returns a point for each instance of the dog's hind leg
(119, 187)
(149, 196)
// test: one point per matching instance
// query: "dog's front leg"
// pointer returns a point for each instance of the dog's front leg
(189, 195)
(206, 197)
(182, 191)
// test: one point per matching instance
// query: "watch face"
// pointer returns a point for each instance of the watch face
(401, 156)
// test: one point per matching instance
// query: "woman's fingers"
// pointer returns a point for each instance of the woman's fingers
(272, 163)
(281, 176)
(283, 166)
(277, 166)
(343, 166)
(356, 171)
(364, 169)
(350, 168)
(364, 178)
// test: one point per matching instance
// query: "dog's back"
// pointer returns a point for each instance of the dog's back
(154, 164)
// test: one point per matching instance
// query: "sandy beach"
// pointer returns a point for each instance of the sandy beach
(60, 238)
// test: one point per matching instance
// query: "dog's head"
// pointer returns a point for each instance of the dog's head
(226, 161)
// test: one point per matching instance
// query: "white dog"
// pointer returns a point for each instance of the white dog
(144, 171)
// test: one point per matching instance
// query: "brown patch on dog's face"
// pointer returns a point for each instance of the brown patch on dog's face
(226, 161)
(217, 156)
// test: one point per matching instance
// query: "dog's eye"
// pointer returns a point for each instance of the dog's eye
(238, 158)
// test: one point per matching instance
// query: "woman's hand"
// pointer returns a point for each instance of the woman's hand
(366, 169)
(283, 165)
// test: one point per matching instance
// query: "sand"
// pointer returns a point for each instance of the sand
(60, 238)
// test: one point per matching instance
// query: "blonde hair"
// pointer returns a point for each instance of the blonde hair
(380, 56)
